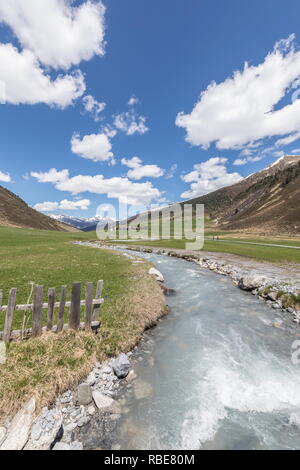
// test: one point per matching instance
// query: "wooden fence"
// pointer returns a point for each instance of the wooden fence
(91, 310)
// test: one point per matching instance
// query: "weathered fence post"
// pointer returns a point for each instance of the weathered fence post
(9, 315)
(37, 311)
(88, 305)
(96, 313)
(51, 302)
(61, 312)
(74, 320)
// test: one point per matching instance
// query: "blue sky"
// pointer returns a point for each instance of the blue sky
(163, 54)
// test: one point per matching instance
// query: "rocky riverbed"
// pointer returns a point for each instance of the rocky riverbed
(60, 427)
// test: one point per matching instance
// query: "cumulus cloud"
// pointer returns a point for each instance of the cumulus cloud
(96, 147)
(131, 123)
(65, 205)
(209, 176)
(245, 108)
(46, 206)
(244, 161)
(58, 34)
(138, 170)
(92, 106)
(51, 176)
(121, 188)
(25, 81)
(5, 177)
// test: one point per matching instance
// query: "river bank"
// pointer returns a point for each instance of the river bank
(38, 371)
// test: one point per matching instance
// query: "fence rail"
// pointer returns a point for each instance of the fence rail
(91, 310)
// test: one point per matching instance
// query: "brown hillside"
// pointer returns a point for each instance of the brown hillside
(267, 201)
(14, 212)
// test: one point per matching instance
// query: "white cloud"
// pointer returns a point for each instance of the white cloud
(130, 123)
(46, 206)
(82, 204)
(51, 176)
(121, 188)
(133, 101)
(209, 176)
(138, 170)
(242, 110)
(287, 140)
(96, 147)
(5, 177)
(59, 35)
(25, 81)
(244, 161)
(65, 205)
(171, 172)
(92, 106)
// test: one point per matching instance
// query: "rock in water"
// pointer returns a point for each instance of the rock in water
(121, 366)
(157, 274)
(251, 282)
(18, 432)
(84, 394)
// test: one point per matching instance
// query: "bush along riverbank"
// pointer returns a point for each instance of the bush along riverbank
(45, 380)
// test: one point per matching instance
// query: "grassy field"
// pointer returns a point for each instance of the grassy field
(264, 253)
(52, 363)
(50, 259)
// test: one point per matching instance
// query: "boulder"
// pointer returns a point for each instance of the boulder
(251, 282)
(104, 403)
(157, 274)
(84, 394)
(272, 295)
(121, 366)
(18, 432)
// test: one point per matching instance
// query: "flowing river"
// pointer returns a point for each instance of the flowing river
(214, 374)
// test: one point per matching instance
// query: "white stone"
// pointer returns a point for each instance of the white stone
(157, 274)
(91, 410)
(62, 446)
(103, 402)
(18, 432)
(76, 445)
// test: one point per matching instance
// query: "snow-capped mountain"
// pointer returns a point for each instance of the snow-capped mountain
(85, 224)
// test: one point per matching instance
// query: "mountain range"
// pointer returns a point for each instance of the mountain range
(81, 223)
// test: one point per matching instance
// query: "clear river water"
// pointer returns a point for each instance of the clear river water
(214, 374)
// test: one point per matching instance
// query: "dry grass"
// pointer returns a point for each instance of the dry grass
(51, 364)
